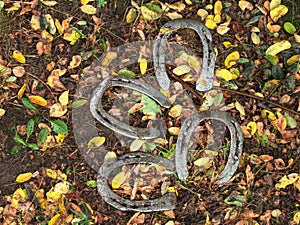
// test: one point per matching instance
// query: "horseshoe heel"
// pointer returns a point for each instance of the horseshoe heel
(166, 202)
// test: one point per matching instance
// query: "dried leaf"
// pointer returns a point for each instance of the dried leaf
(180, 70)
(222, 29)
(35, 22)
(119, 179)
(49, 3)
(274, 4)
(278, 47)
(110, 155)
(245, 5)
(268, 114)
(57, 110)
(109, 57)
(194, 63)
(131, 15)
(174, 15)
(50, 22)
(96, 141)
(72, 36)
(136, 145)
(292, 60)
(2, 112)
(143, 66)
(255, 38)
(84, 2)
(240, 108)
(231, 59)
(64, 98)
(19, 56)
(174, 130)
(23, 177)
(296, 217)
(250, 176)
(251, 126)
(175, 111)
(19, 71)
(76, 60)
(151, 11)
(88, 9)
(287, 180)
(59, 26)
(38, 100)
(202, 162)
(21, 91)
(278, 12)
(291, 122)
(51, 173)
(202, 13)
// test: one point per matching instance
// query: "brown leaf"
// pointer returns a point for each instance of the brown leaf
(19, 71)
(250, 176)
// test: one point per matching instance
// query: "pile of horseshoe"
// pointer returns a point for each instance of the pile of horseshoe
(179, 165)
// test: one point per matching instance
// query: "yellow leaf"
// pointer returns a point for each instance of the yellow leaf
(274, 4)
(2, 112)
(273, 28)
(293, 59)
(174, 15)
(60, 138)
(62, 187)
(177, 6)
(150, 11)
(119, 179)
(278, 47)
(143, 66)
(194, 63)
(218, 7)
(222, 29)
(227, 44)
(296, 217)
(226, 74)
(19, 56)
(84, 2)
(231, 59)
(240, 108)
(109, 56)
(189, 2)
(51, 173)
(21, 91)
(278, 12)
(64, 98)
(210, 23)
(202, 161)
(268, 114)
(72, 36)
(252, 127)
(244, 5)
(174, 130)
(49, 3)
(57, 110)
(88, 9)
(54, 220)
(175, 111)
(38, 100)
(96, 141)
(53, 196)
(59, 26)
(180, 70)
(35, 22)
(202, 13)
(136, 145)
(287, 180)
(23, 177)
(217, 18)
(110, 155)
(16, 6)
(255, 38)
(76, 60)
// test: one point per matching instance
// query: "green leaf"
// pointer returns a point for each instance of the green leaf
(16, 149)
(29, 128)
(11, 79)
(42, 136)
(151, 11)
(150, 106)
(59, 126)
(291, 122)
(18, 139)
(33, 146)
(126, 73)
(237, 200)
(101, 3)
(77, 104)
(218, 99)
(1, 5)
(271, 59)
(91, 183)
(289, 27)
(243, 60)
(28, 104)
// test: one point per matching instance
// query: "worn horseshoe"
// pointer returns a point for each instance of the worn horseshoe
(184, 137)
(205, 81)
(109, 121)
(165, 202)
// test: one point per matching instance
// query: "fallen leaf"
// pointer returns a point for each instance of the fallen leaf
(51, 173)
(175, 111)
(194, 63)
(143, 66)
(245, 5)
(131, 15)
(19, 56)
(170, 214)
(255, 38)
(278, 12)
(96, 141)
(289, 27)
(110, 155)
(21, 91)
(202, 162)
(251, 126)
(174, 130)
(274, 4)
(59, 27)
(49, 3)
(202, 13)
(18, 71)
(210, 23)
(109, 57)
(2, 112)
(72, 36)
(180, 70)
(88, 9)
(296, 217)
(76, 60)
(293, 59)
(60, 138)
(51, 25)
(38, 100)
(64, 98)
(136, 145)
(223, 29)
(174, 15)
(119, 179)
(151, 11)
(23, 177)
(35, 22)
(268, 114)
(231, 59)
(218, 7)
(84, 2)
(278, 47)
(225, 74)
(287, 180)
(240, 108)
